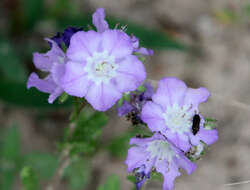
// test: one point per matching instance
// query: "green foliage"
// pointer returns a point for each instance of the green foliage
(77, 173)
(210, 123)
(10, 157)
(29, 179)
(16, 93)
(63, 98)
(33, 11)
(132, 179)
(112, 183)
(11, 67)
(89, 127)
(11, 162)
(43, 163)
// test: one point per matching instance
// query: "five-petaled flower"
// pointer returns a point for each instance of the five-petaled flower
(172, 110)
(101, 65)
(160, 154)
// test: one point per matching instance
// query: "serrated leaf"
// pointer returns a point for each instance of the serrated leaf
(112, 183)
(29, 179)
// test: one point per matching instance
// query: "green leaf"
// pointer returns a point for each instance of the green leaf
(11, 144)
(10, 157)
(33, 11)
(44, 164)
(78, 173)
(112, 183)
(29, 179)
(131, 178)
(210, 123)
(88, 128)
(17, 94)
(11, 67)
(63, 98)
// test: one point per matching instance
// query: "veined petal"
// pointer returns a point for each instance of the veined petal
(83, 45)
(131, 73)
(75, 81)
(180, 140)
(117, 43)
(57, 72)
(103, 96)
(196, 96)
(170, 91)
(152, 115)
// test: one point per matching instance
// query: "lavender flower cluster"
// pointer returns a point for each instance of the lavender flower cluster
(104, 65)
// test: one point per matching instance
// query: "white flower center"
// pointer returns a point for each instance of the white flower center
(178, 119)
(160, 149)
(101, 67)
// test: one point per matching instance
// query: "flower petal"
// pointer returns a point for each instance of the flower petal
(117, 43)
(57, 72)
(124, 109)
(136, 158)
(103, 96)
(196, 96)
(45, 85)
(99, 21)
(186, 164)
(179, 140)
(208, 136)
(152, 115)
(169, 175)
(57, 92)
(131, 73)
(44, 61)
(83, 45)
(75, 80)
(170, 91)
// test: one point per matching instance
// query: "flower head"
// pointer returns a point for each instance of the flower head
(172, 110)
(159, 154)
(52, 62)
(101, 65)
(136, 101)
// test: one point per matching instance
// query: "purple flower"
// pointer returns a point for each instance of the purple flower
(158, 153)
(52, 62)
(172, 110)
(65, 37)
(137, 99)
(101, 66)
(102, 25)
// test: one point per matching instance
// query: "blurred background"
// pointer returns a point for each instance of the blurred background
(204, 43)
